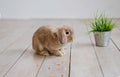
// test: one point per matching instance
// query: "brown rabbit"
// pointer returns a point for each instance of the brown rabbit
(50, 40)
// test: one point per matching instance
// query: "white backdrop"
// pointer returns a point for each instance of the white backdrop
(25, 9)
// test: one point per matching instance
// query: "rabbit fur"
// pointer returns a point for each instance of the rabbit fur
(51, 39)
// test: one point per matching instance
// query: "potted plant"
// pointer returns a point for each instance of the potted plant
(102, 27)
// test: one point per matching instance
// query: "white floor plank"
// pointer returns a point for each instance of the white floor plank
(6, 31)
(27, 66)
(12, 37)
(115, 37)
(83, 58)
(13, 52)
(7, 28)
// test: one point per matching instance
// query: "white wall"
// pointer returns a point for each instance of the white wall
(25, 9)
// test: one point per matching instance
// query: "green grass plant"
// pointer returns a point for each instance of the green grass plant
(101, 24)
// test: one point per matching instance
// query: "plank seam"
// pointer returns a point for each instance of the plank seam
(70, 61)
(97, 58)
(40, 66)
(96, 54)
(16, 61)
(115, 44)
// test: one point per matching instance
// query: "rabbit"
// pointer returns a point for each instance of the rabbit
(49, 40)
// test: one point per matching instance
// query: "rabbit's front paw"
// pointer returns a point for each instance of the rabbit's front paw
(44, 53)
(59, 53)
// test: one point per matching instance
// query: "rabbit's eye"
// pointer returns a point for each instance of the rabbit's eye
(67, 33)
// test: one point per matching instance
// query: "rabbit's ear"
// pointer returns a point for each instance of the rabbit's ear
(62, 36)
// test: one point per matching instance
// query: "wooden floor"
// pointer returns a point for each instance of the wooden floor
(82, 58)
